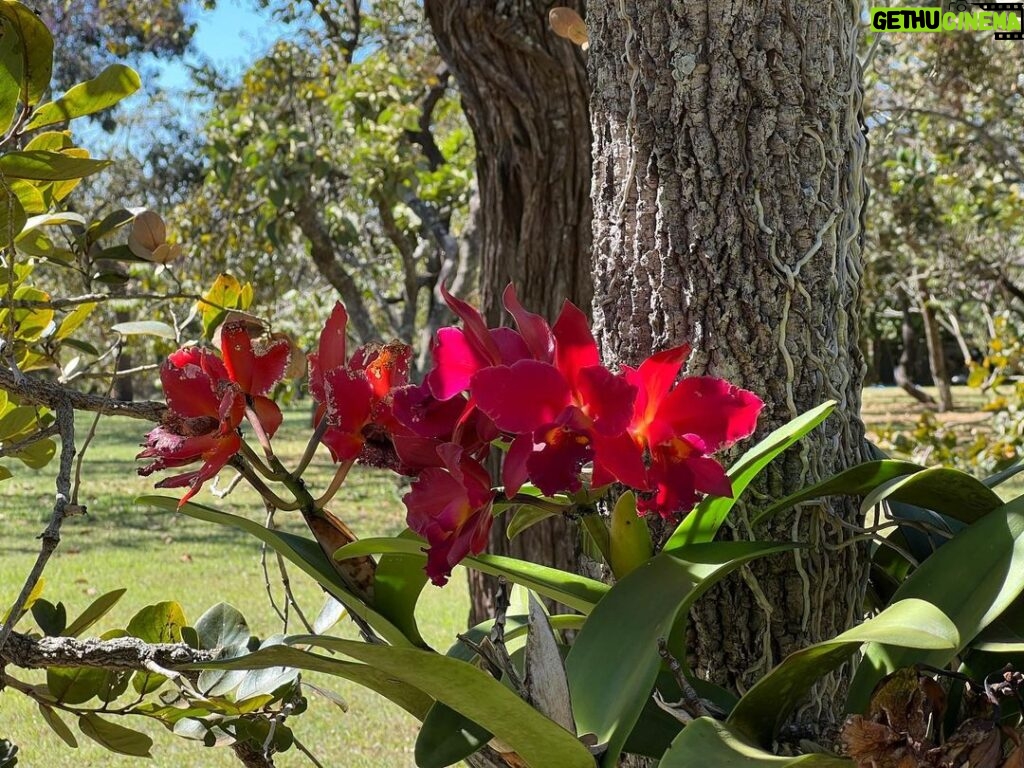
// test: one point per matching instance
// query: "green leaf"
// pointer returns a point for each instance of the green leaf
(159, 623)
(397, 585)
(73, 320)
(629, 539)
(569, 589)
(615, 659)
(473, 693)
(972, 579)
(446, 737)
(408, 697)
(57, 725)
(105, 90)
(37, 455)
(703, 522)
(12, 73)
(33, 322)
(303, 552)
(709, 742)
(145, 328)
(115, 737)
(48, 166)
(258, 682)
(17, 422)
(525, 516)
(51, 618)
(36, 49)
(940, 489)
(909, 623)
(222, 626)
(75, 685)
(12, 218)
(855, 481)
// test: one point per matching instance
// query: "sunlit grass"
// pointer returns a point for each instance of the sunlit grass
(161, 556)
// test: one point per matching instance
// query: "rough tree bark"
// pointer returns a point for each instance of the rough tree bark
(524, 92)
(728, 192)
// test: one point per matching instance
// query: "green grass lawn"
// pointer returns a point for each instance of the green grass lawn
(162, 556)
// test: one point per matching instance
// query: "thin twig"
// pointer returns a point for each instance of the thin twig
(9, 449)
(51, 536)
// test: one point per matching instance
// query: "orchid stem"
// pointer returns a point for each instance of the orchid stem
(261, 434)
(311, 447)
(254, 460)
(335, 486)
(261, 488)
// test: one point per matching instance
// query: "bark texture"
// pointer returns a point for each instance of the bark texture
(728, 193)
(524, 92)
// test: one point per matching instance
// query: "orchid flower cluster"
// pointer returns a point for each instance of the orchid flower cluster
(569, 425)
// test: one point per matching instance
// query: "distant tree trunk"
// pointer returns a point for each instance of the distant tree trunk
(728, 191)
(904, 372)
(936, 353)
(524, 92)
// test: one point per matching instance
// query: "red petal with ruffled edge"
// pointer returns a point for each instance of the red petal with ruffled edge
(606, 398)
(255, 373)
(654, 379)
(719, 412)
(386, 367)
(455, 362)
(271, 363)
(533, 328)
(575, 348)
(349, 398)
(511, 346)
(560, 451)
(189, 390)
(215, 456)
(522, 397)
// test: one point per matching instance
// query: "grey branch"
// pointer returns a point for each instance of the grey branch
(32, 391)
(123, 653)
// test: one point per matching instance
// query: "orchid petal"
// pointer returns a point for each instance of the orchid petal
(331, 350)
(455, 362)
(719, 412)
(521, 397)
(477, 335)
(606, 398)
(513, 470)
(575, 347)
(534, 329)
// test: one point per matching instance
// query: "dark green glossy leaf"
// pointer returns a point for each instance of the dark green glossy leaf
(446, 737)
(570, 589)
(972, 579)
(51, 618)
(159, 623)
(397, 585)
(57, 725)
(525, 516)
(614, 661)
(855, 481)
(75, 685)
(708, 742)
(702, 524)
(96, 611)
(910, 623)
(105, 90)
(222, 626)
(473, 693)
(940, 489)
(115, 737)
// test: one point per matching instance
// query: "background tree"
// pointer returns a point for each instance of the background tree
(728, 194)
(524, 92)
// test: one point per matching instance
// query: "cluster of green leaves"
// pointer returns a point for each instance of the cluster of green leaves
(214, 707)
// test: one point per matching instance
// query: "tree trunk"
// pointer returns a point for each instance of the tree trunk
(904, 372)
(524, 92)
(936, 353)
(728, 193)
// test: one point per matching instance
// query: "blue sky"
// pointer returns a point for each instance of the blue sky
(230, 37)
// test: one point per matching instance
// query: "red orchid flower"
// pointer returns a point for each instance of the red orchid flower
(678, 426)
(207, 399)
(450, 506)
(195, 426)
(564, 412)
(355, 394)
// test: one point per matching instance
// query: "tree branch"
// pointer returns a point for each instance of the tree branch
(123, 653)
(33, 391)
